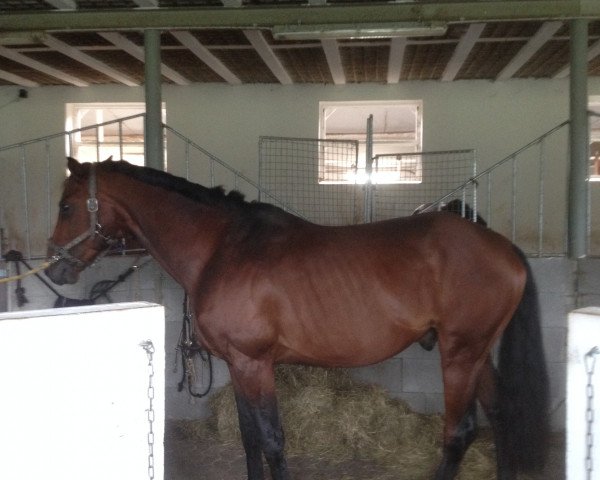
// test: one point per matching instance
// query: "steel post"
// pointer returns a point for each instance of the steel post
(153, 133)
(578, 141)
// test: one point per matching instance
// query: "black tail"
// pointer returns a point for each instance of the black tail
(523, 393)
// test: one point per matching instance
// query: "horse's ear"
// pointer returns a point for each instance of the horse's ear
(75, 167)
(109, 159)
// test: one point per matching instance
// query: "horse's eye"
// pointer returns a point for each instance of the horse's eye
(64, 208)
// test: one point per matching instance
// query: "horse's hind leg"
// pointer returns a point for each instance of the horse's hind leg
(456, 443)
(260, 425)
(460, 374)
(487, 396)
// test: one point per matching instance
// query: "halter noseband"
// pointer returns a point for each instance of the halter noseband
(95, 230)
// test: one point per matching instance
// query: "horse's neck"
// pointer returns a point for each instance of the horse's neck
(182, 238)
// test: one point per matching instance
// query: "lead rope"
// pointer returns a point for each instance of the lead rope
(33, 271)
(590, 363)
(188, 347)
(148, 346)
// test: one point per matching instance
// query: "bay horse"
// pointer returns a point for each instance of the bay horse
(267, 287)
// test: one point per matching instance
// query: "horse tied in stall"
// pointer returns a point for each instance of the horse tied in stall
(267, 287)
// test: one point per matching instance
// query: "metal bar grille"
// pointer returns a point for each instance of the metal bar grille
(292, 170)
(423, 178)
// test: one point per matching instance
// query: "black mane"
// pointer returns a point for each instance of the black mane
(254, 213)
(168, 181)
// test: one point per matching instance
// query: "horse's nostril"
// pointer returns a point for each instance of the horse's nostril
(62, 273)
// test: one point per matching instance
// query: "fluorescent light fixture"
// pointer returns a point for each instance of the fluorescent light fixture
(357, 31)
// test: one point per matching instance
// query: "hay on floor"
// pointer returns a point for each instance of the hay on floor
(327, 414)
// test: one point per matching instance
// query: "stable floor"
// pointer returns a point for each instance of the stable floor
(192, 458)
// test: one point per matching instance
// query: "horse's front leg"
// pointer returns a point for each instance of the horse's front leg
(260, 426)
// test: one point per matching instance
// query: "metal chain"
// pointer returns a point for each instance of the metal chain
(590, 363)
(148, 346)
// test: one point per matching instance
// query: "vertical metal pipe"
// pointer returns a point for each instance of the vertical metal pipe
(97, 144)
(541, 166)
(120, 140)
(474, 188)
(513, 204)
(48, 195)
(187, 160)
(578, 140)
(153, 135)
(25, 201)
(369, 171)
(70, 145)
(489, 199)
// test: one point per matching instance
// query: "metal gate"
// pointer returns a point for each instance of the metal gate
(391, 185)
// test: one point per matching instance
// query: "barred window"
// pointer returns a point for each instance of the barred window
(397, 131)
(99, 134)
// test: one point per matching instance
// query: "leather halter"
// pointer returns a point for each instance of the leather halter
(95, 229)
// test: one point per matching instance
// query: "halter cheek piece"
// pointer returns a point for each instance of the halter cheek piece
(95, 230)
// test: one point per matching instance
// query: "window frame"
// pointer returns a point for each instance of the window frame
(126, 144)
(594, 106)
(383, 142)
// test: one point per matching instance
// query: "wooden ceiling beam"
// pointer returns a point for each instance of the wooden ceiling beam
(194, 46)
(396, 60)
(17, 80)
(462, 51)
(593, 52)
(541, 37)
(136, 51)
(334, 60)
(257, 40)
(88, 60)
(41, 67)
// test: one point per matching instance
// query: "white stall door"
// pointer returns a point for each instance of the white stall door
(74, 396)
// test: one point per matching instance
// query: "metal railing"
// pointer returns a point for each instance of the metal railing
(31, 194)
(524, 196)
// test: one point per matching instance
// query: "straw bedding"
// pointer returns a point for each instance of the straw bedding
(327, 414)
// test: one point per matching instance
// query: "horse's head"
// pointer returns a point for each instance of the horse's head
(85, 226)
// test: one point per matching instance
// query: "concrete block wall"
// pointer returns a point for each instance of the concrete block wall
(414, 375)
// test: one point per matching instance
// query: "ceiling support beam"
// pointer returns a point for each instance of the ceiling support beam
(334, 60)
(153, 131)
(462, 51)
(194, 46)
(592, 53)
(41, 67)
(136, 51)
(17, 80)
(63, 4)
(256, 38)
(579, 141)
(541, 37)
(146, 3)
(266, 17)
(88, 60)
(396, 60)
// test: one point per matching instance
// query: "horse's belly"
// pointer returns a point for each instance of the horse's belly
(349, 340)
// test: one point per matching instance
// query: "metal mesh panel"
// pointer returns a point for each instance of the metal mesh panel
(426, 177)
(289, 170)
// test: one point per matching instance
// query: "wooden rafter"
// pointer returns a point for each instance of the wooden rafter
(136, 51)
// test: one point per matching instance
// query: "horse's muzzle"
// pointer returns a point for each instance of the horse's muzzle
(62, 272)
